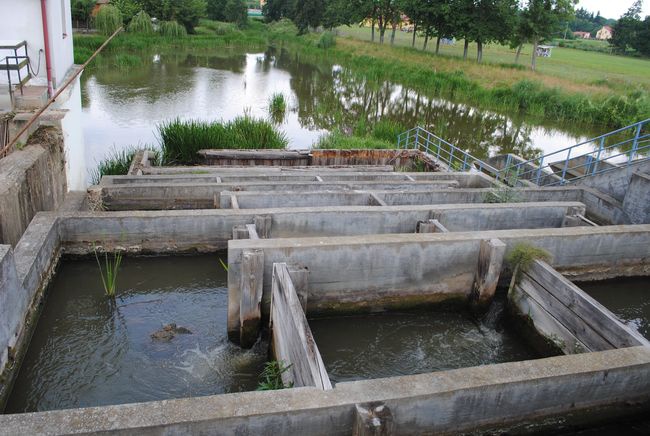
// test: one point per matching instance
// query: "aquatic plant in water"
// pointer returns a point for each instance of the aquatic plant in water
(271, 378)
(277, 107)
(108, 272)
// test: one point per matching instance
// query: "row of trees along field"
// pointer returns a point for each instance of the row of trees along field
(631, 33)
(479, 21)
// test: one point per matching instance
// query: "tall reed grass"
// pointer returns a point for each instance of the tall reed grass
(277, 107)
(181, 140)
(117, 163)
(109, 271)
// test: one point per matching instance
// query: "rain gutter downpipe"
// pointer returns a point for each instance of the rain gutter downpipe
(46, 41)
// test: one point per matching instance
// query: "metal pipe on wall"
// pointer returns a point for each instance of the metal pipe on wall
(46, 40)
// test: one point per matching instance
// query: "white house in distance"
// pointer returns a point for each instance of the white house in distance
(43, 61)
(605, 33)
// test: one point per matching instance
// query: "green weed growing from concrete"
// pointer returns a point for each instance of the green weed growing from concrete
(523, 255)
(271, 378)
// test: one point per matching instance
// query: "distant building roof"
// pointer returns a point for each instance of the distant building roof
(102, 2)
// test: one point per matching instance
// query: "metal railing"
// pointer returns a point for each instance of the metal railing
(618, 149)
(454, 158)
(611, 151)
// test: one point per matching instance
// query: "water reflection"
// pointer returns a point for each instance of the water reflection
(122, 107)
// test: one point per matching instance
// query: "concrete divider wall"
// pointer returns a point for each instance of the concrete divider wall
(25, 273)
(637, 199)
(489, 398)
(397, 271)
(205, 230)
(557, 314)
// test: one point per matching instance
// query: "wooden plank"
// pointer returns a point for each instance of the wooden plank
(300, 279)
(488, 271)
(250, 310)
(234, 203)
(574, 324)
(431, 226)
(263, 225)
(544, 323)
(293, 342)
(240, 232)
(252, 231)
(376, 200)
(585, 307)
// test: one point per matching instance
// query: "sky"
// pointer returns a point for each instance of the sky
(612, 8)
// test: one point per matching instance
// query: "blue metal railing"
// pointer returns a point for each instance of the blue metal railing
(613, 150)
(454, 158)
(618, 149)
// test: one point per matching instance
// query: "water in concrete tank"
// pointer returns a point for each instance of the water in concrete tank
(393, 344)
(627, 298)
(86, 352)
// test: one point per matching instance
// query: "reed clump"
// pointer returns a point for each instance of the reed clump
(108, 272)
(277, 107)
(180, 140)
(271, 378)
(117, 163)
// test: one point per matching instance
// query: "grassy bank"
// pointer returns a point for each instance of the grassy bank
(562, 91)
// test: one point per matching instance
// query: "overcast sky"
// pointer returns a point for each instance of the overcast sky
(612, 8)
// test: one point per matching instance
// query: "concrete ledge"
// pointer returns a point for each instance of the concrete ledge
(492, 396)
(357, 274)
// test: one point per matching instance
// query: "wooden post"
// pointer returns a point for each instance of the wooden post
(292, 339)
(376, 201)
(263, 225)
(240, 232)
(250, 311)
(430, 226)
(490, 262)
(373, 419)
(234, 203)
(252, 231)
(300, 278)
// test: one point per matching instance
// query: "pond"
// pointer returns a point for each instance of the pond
(394, 344)
(122, 107)
(86, 352)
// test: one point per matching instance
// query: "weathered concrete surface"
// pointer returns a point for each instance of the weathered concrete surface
(637, 199)
(12, 304)
(615, 183)
(408, 270)
(206, 230)
(486, 397)
(558, 314)
(32, 180)
(35, 258)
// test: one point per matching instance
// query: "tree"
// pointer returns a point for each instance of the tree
(236, 11)
(307, 13)
(415, 10)
(627, 28)
(275, 10)
(216, 9)
(81, 11)
(128, 8)
(186, 12)
(642, 43)
(345, 12)
(492, 21)
(542, 18)
(386, 11)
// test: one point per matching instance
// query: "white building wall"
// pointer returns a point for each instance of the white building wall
(21, 20)
(75, 151)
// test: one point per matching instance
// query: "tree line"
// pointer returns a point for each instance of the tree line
(631, 33)
(480, 21)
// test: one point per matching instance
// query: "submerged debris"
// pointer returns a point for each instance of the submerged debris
(168, 332)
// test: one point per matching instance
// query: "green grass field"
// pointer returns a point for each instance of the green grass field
(583, 67)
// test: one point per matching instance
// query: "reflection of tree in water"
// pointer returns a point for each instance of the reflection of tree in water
(157, 75)
(335, 98)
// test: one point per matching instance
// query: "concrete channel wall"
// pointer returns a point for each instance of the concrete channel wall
(491, 397)
(24, 275)
(32, 180)
(562, 316)
(206, 230)
(356, 274)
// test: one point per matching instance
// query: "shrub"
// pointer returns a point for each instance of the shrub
(141, 23)
(108, 20)
(327, 40)
(171, 29)
(236, 12)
